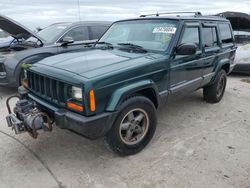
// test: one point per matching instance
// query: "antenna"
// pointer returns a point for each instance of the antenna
(79, 10)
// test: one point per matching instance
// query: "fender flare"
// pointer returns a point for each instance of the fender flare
(123, 92)
(221, 63)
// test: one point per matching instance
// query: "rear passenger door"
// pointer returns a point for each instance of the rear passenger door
(186, 70)
(211, 50)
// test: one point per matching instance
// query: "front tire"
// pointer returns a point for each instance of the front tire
(214, 92)
(134, 126)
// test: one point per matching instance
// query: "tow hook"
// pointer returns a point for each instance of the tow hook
(26, 117)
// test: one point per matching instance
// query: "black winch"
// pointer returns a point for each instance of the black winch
(26, 117)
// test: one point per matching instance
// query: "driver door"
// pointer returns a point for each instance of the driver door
(186, 70)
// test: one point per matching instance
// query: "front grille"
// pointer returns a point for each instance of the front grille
(48, 88)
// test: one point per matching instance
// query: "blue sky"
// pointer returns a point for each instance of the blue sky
(34, 13)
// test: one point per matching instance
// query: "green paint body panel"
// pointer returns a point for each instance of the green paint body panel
(114, 74)
(128, 90)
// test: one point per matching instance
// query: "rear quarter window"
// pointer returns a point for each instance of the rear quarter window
(226, 34)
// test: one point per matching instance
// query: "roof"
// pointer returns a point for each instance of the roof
(83, 23)
(177, 16)
(91, 23)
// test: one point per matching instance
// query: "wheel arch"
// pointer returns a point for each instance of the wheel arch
(146, 88)
(226, 67)
(224, 64)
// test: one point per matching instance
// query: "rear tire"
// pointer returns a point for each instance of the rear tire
(214, 92)
(134, 126)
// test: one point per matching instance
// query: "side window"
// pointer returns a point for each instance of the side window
(210, 37)
(191, 35)
(78, 34)
(226, 34)
(215, 36)
(97, 31)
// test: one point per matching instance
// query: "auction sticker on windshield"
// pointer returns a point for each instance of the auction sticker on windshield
(170, 30)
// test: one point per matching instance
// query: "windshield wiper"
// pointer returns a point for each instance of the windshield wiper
(132, 46)
(107, 44)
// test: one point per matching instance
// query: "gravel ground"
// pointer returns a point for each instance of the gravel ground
(196, 145)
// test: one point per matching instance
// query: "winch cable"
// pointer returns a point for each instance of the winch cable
(36, 156)
(8, 102)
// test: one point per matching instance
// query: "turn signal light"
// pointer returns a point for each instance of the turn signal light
(92, 100)
(74, 106)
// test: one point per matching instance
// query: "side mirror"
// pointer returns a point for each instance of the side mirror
(186, 49)
(67, 40)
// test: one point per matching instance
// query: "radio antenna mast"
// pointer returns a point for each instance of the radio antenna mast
(79, 10)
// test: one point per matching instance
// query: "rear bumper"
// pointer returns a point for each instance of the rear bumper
(92, 127)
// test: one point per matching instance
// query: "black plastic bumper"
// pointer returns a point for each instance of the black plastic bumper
(91, 127)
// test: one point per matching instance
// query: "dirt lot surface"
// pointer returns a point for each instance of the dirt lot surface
(196, 145)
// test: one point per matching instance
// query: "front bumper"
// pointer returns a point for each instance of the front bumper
(92, 127)
(11, 71)
(8, 81)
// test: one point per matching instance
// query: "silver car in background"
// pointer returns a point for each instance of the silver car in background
(32, 47)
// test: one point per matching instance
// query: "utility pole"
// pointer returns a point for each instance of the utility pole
(79, 10)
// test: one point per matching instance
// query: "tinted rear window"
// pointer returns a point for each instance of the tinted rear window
(225, 31)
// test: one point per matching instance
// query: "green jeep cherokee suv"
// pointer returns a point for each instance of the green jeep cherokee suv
(115, 88)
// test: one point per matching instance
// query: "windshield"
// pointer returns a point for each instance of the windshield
(49, 33)
(149, 34)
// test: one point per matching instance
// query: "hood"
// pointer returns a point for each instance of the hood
(16, 30)
(95, 62)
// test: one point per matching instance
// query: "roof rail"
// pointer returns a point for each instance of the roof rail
(177, 14)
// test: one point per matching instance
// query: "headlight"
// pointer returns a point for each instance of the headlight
(77, 93)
